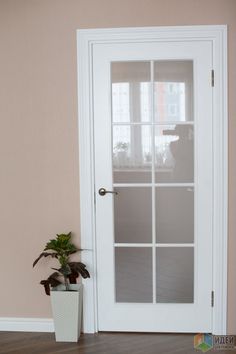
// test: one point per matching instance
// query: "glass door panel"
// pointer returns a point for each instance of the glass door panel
(174, 223)
(131, 92)
(175, 275)
(173, 90)
(133, 274)
(174, 153)
(153, 175)
(132, 153)
(133, 215)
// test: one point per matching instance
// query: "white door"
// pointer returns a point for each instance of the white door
(153, 147)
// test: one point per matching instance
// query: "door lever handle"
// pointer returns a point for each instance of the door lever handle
(103, 191)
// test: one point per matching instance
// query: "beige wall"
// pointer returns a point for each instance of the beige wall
(39, 192)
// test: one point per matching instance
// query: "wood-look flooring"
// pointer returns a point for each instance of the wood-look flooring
(102, 343)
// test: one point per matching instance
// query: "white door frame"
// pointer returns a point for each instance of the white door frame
(86, 38)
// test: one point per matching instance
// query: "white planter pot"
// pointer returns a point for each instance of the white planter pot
(67, 311)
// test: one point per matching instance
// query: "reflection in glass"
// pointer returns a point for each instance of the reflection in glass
(133, 215)
(133, 274)
(173, 91)
(174, 153)
(174, 224)
(120, 102)
(132, 159)
(131, 91)
(175, 275)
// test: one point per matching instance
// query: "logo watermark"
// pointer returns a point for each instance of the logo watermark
(203, 342)
(206, 342)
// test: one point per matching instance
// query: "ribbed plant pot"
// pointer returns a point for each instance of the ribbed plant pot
(67, 312)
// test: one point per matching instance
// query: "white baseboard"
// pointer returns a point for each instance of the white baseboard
(17, 324)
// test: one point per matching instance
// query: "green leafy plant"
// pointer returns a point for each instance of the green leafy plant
(62, 248)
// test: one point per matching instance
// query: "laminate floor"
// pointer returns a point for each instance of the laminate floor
(102, 343)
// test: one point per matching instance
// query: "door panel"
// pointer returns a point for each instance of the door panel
(175, 275)
(174, 155)
(131, 82)
(133, 274)
(133, 215)
(132, 151)
(173, 90)
(153, 147)
(174, 214)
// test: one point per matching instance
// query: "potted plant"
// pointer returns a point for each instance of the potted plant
(66, 293)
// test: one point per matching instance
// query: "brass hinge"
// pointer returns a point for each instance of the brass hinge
(212, 298)
(212, 78)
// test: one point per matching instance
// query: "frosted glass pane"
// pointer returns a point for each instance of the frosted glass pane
(175, 275)
(133, 215)
(174, 153)
(174, 215)
(131, 91)
(132, 158)
(133, 274)
(173, 91)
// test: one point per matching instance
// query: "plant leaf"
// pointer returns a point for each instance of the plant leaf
(62, 244)
(65, 270)
(79, 268)
(72, 277)
(52, 281)
(46, 285)
(45, 254)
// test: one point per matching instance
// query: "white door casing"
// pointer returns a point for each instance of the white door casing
(87, 42)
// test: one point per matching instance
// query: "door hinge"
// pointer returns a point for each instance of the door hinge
(212, 78)
(212, 298)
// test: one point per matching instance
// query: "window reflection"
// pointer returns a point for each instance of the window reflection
(170, 101)
(133, 145)
(132, 158)
(120, 102)
(131, 92)
(145, 104)
(173, 91)
(131, 102)
(132, 153)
